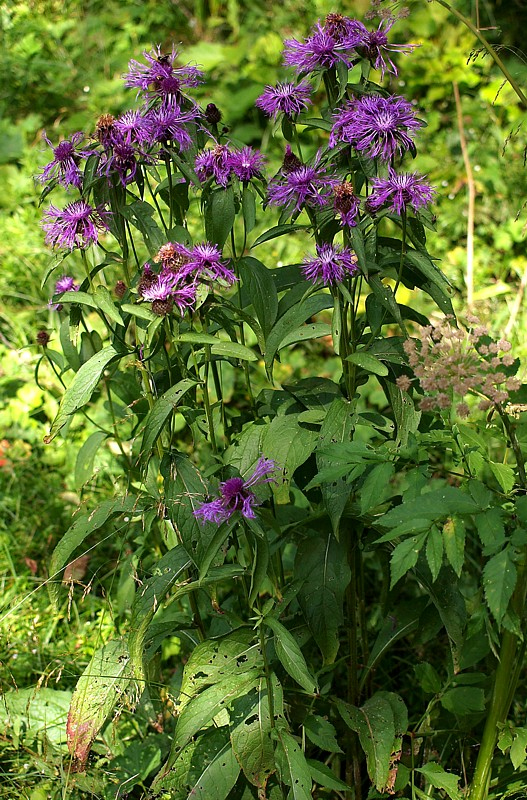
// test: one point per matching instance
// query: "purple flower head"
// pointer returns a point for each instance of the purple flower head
(160, 77)
(168, 123)
(346, 204)
(286, 98)
(215, 164)
(246, 163)
(205, 262)
(398, 192)
(133, 126)
(323, 49)
(105, 129)
(378, 126)
(375, 47)
(66, 284)
(77, 225)
(331, 264)
(236, 494)
(120, 159)
(66, 158)
(160, 287)
(301, 185)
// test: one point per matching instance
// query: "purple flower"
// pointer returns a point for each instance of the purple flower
(166, 290)
(378, 126)
(400, 191)
(160, 77)
(288, 98)
(66, 159)
(77, 225)
(325, 47)
(66, 284)
(120, 159)
(205, 261)
(301, 185)
(132, 125)
(168, 122)
(331, 264)
(214, 163)
(346, 204)
(236, 494)
(375, 45)
(246, 163)
(160, 287)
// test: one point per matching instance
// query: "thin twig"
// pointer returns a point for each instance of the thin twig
(471, 186)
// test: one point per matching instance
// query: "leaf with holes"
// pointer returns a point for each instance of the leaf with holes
(292, 765)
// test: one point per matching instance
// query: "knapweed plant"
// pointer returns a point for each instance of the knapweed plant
(325, 578)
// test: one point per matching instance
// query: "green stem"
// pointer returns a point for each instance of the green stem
(156, 203)
(403, 253)
(206, 399)
(268, 680)
(488, 47)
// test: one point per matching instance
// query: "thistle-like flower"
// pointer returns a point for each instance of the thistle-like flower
(377, 126)
(214, 163)
(160, 78)
(400, 192)
(376, 47)
(236, 494)
(331, 265)
(286, 98)
(77, 225)
(303, 185)
(66, 284)
(66, 159)
(246, 163)
(326, 46)
(346, 204)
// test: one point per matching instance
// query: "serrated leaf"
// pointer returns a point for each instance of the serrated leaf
(454, 543)
(158, 415)
(491, 530)
(434, 551)
(376, 487)
(439, 779)
(518, 747)
(405, 556)
(322, 733)
(104, 680)
(374, 723)
(81, 389)
(499, 580)
(322, 567)
(504, 475)
(290, 655)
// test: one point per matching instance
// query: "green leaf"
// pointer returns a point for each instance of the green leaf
(491, 530)
(233, 350)
(152, 593)
(368, 362)
(141, 311)
(434, 551)
(407, 417)
(292, 765)
(322, 567)
(439, 779)
(462, 700)
(107, 306)
(248, 208)
(405, 556)
(376, 487)
(140, 215)
(160, 412)
(202, 708)
(291, 320)
(81, 389)
(504, 475)
(104, 680)
(219, 215)
(374, 723)
(278, 230)
(250, 731)
(81, 528)
(291, 656)
(336, 427)
(325, 777)
(434, 505)
(499, 580)
(86, 457)
(315, 330)
(41, 711)
(215, 660)
(322, 733)
(289, 445)
(454, 543)
(518, 752)
(427, 678)
(261, 289)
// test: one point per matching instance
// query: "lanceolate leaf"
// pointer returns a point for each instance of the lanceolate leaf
(440, 779)
(293, 767)
(291, 656)
(290, 321)
(261, 289)
(322, 567)
(165, 573)
(98, 690)
(336, 427)
(81, 388)
(161, 411)
(499, 580)
(81, 528)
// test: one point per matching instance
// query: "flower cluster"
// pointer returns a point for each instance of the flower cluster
(236, 494)
(181, 271)
(450, 361)
(220, 162)
(346, 40)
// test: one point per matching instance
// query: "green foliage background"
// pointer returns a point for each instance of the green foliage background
(61, 68)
